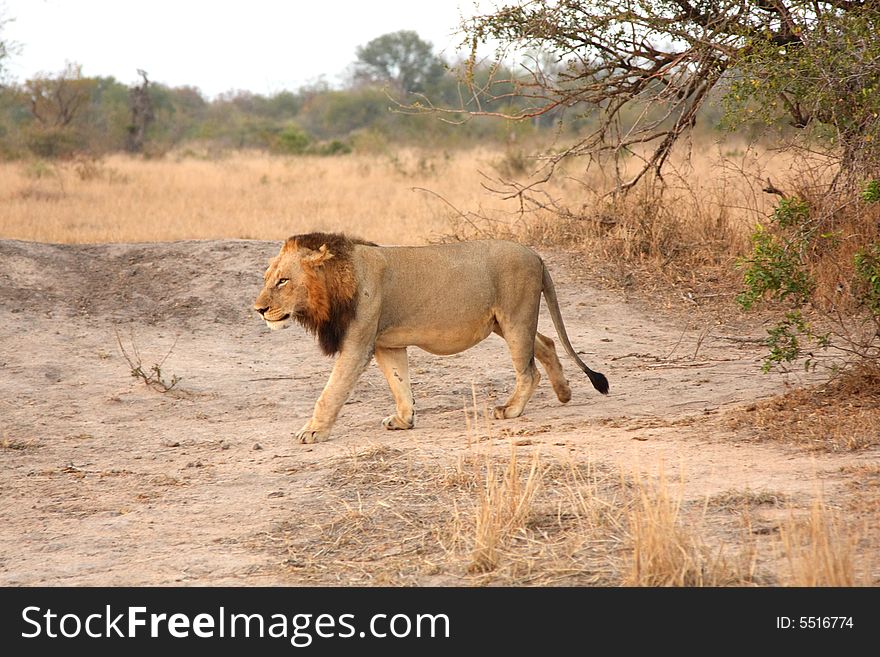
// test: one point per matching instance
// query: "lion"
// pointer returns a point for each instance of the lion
(366, 301)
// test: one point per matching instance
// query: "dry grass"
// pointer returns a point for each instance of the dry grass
(489, 519)
(504, 505)
(15, 444)
(667, 550)
(504, 513)
(819, 550)
(735, 499)
(840, 415)
(242, 195)
(506, 516)
(843, 227)
(398, 520)
(863, 500)
(410, 196)
(538, 520)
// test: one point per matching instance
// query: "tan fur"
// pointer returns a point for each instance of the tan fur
(363, 300)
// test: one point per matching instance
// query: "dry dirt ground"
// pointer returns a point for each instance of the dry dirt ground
(106, 481)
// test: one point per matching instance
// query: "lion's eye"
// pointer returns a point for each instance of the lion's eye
(281, 282)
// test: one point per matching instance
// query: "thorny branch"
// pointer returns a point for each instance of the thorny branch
(642, 68)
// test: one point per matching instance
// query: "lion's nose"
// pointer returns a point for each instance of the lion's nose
(262, 311)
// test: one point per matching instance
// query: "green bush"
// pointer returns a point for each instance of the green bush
(785, 340)
(791, 213)
(777, 270)
(774, 270)
(53, 142)
(871, 191)
(867, 264)
(291, 141)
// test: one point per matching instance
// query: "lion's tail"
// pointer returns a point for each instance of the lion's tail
(598, 379)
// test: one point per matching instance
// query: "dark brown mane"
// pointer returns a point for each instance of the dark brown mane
(331, 286)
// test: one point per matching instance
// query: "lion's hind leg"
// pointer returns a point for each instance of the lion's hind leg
(394, 366)
(522, 351)
(545, 352)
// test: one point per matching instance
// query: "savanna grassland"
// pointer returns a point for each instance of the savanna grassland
(404, 196)
(698, 469)
(239, 196)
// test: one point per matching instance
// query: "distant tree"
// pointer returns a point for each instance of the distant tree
(180, 112)
(142, 115)
(103, 123)
(335, 114)
(56, 100)
(284, 104)
(401, 59)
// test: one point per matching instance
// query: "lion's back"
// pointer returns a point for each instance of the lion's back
(456, 287)
(478, 270)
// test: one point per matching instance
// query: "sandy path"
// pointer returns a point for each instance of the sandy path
(104, 481)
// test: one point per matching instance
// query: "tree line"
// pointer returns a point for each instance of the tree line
(67, 112)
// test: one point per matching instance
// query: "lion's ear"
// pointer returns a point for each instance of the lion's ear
(317, 258)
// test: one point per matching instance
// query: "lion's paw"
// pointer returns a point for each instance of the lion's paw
(505, 412)
(393, 422)
(563, 392)
(307, 435)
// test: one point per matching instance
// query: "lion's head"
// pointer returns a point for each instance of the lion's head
(312, 280)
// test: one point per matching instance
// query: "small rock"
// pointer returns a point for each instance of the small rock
(257, 446)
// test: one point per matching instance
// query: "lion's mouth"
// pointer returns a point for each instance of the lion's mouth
(275, 323)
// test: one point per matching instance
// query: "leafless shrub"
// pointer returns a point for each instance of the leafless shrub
(153, 377)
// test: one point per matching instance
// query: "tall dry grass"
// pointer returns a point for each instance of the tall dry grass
(819, 550)
(242, 195)
(503, 507)
(505, 514)
(669, 549)
(411, 196)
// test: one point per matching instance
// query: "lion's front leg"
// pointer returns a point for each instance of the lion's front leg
(348, 367)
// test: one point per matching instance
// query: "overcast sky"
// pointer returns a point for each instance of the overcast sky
(263, 46)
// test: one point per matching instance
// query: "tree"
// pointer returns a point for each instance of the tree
(401, 59)
(55, 101)
(825, 83)
(650, 65)
(335, 114)
(142, 115)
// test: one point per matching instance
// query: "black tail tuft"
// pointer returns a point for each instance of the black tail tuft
(598, 380)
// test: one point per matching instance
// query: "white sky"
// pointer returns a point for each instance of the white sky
(263, 46)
